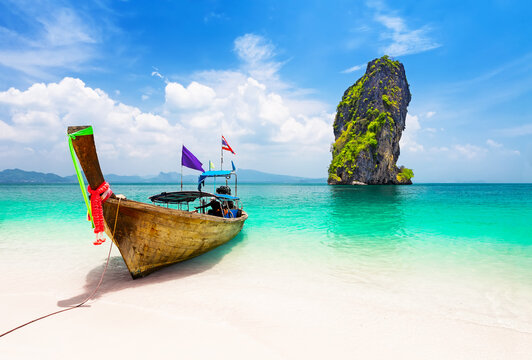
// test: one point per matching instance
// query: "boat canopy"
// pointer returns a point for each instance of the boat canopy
(214, 174)
(179, 197)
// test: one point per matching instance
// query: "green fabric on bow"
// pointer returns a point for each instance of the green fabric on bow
(86, 131)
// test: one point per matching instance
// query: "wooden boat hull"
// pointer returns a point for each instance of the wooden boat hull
(150, 237)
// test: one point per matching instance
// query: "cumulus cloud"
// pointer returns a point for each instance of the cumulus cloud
(268, 119)
(275, 130)
(39, 116)
(250, 112)
(194, 96)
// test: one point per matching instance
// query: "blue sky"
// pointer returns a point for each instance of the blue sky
(151, 75)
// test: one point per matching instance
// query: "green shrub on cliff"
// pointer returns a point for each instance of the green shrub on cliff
(386, 100)
(350, 143)
(354, 92)
(405, 174)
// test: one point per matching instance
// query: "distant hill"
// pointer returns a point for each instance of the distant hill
(17, 176)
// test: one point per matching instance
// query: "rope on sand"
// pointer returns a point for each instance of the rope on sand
(84, 301)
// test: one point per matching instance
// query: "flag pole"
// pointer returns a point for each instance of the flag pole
(221, 157)
(182, 167)
(213, 177)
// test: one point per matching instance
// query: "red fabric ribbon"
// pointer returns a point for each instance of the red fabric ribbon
(99, 196)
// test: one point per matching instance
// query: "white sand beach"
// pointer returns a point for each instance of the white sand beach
(228, 305)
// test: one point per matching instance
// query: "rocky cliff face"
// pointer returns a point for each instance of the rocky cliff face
(368, 126)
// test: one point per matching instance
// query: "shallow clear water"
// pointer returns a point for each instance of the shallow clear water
(460, 246)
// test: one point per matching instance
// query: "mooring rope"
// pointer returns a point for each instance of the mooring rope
(89, 297)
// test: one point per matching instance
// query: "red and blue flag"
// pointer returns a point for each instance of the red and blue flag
(225, 146)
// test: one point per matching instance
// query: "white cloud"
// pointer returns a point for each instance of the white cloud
(403, 40)
(439, 149)
(411, 143)
(253, 49)
(272, 127)
(470, 151)
(38, 118)
(415, 147)
(265, 112)
(500, 148)
(493, 144)
(60, 39)
(156, 73)
(395, 23)
(250, 111)
(273, 124)
(409, 140)
(7, 132)
(430, 114)
(194, 96)
(66, 28)
(353, 69)
(257, 54)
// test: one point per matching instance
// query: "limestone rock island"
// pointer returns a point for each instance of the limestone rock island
(368, 126)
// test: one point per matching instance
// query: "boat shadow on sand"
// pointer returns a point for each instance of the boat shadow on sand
(117, 276)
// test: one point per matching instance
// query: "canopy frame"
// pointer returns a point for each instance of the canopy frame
(216, 174)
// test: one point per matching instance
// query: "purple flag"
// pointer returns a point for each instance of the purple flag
(190, 161)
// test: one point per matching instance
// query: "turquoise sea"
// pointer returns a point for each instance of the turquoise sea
(465, 249)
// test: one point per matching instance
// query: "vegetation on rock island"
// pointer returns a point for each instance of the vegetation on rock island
(369, 122)
(405, 174)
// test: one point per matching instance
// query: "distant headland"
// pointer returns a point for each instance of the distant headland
(369, 122)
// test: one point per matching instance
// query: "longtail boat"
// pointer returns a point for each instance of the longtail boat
(150, 236)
